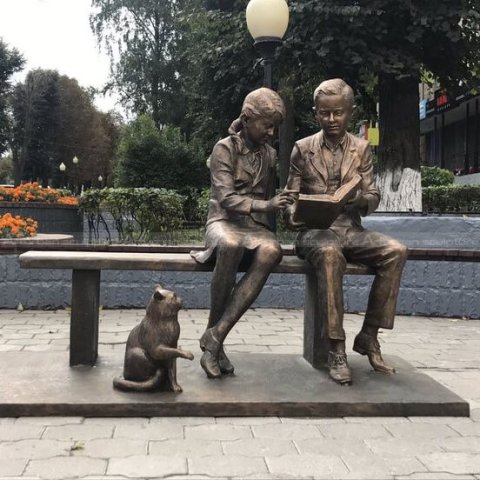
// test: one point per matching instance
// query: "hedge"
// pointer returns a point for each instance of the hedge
(138, 213)
(451, 199)
(436, 177)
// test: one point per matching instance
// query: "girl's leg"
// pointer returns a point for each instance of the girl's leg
(266, 257)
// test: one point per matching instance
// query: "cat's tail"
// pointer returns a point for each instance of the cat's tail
(146, 386)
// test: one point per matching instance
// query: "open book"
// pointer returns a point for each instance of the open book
(320, 211)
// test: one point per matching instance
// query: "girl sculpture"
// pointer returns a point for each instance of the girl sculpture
(242, 168)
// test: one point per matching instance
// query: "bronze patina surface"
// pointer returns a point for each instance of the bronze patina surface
(266, 385)
(242, 168)
(152, 347)
(320, 164)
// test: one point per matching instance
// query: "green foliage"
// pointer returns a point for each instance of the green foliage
(436, 177)
(6, 169)
(152, 158)
(10, 62)
(452, 199)
(139, 214)
(54, 121)
(142, 38)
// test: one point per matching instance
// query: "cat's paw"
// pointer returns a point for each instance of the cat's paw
(189, 355)
(177, 388)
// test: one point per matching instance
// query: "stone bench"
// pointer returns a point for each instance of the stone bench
(87, 265)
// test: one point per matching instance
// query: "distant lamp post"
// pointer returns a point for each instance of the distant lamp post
(267, 22)
(100, 181)
(75, 162)
(62, 167)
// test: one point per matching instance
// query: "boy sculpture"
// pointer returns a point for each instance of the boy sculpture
(320, 164)
(242, 169)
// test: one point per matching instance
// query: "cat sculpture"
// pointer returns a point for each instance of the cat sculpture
(152, 350)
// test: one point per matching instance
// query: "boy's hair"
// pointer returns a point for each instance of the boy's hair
(334, 86)
(263, 102)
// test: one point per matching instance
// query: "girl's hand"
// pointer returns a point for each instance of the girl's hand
(280, 201)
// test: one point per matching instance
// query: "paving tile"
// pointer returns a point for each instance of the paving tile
(148, 431)
(468, 429)
(32, 449)
(380, 466)
(78, 432)
(151, 466)
(12, 466)
(63, 467)
(353, 431)
(49, 421)
(403, 446)
(20, 432)
(376, 420)
(456, 463)
(288, 431)
(434, 476)
(116, 421)
(182, 420)
(461, 444)
(227, 466)
(246, 420)
(312, 420)
(319, 446)
(419, 430)
(317, 466)
(440, 420)
(260, 447)
(217, 432)
(109, 448)
(185, 448)
(475, 414)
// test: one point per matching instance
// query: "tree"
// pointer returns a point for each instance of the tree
(142, 38)
(379, 43)
(152, 158)
(36, 121)
(393, 40)
(54, 121)
(10, 62)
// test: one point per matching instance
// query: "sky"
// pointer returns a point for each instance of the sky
(55, 34)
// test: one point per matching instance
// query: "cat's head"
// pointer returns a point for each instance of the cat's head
(164, 302)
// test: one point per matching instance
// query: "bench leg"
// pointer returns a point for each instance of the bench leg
(84, 317)
(315, 348)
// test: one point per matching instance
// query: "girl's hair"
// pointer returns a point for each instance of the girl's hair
(335, 86)
(262, 102)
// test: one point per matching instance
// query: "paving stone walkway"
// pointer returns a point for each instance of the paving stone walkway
(417, 448)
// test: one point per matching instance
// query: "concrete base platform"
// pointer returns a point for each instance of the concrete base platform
(39, 384)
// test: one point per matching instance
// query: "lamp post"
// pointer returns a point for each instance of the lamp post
(75, 166)
(267, 22)
(100, 180)
(62, 167)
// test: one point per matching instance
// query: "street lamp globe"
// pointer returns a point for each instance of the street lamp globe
(267, 19)
(62, 167)
(75, 160)
(267, 22)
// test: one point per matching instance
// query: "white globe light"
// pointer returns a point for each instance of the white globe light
(62, 167)
(75, 160)
(267, 18)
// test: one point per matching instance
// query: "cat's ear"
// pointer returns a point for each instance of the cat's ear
(158, 295)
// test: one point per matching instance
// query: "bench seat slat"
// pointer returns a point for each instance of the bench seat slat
(147, 261)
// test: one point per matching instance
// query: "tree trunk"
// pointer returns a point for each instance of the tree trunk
(398, 175)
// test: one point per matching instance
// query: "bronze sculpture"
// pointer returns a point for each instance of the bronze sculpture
(242, 168)
(320, 164)
(152, 350)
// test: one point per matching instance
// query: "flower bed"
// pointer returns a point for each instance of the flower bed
(55, 211)
(17, 227)
(33, 192)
